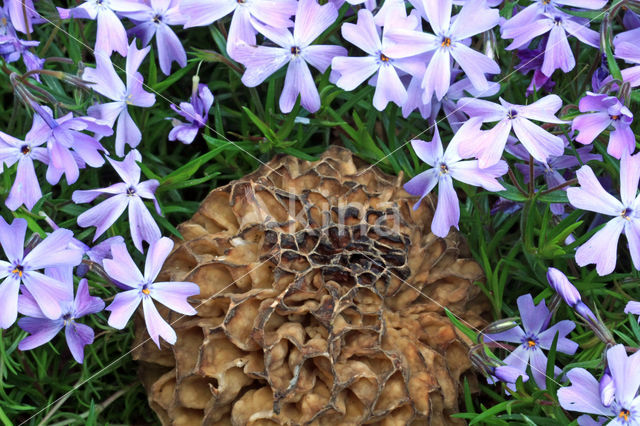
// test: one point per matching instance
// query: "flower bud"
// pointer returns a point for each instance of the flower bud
(607, 389)
(560, 283)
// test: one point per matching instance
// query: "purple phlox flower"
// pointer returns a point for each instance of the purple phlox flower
(111, 35)
(632, 308)
(584, 394)
(23, 269)
(16, 10)
(551, 169)
(63, 135)
(489, 145)
(533, 337)
(461, 88)
(143, 288)
(448, 40)
(43, 329)
(559, 282)
(26, 188)
(557, 53)
(12, 48)
(296, 51)
(540, 7)
(531, 60)
(508, 375)
(276, 13)
(605, 111)
(490, 3)
(107, 83)
(128, 193)
(447, 166)
(626, 48)
(195, 112)
(154, 18)
(600, 75)
(630, 20)
(602, 247)
(355, 70)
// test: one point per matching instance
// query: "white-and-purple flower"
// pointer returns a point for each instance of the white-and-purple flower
(355, 70)
(604, 111)
(602, 247)
(107, 83)
(43, 329)
(585, 395)
(488, 146)
(126, 194)
(153, 19)
(534, 336)
(21, 268)
(195, 112)
(448, 41)
(446, 166)
(142, 288)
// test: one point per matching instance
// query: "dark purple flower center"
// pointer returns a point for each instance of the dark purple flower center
(18, 269)
(131, 191)
(546, 2)
(624, 414)
(626, 213)
(157, 19)
(384, 58)
(66, 317)
(446, 42)
(25, 149)
(295, 50)
(530, 342)
(557, 20)
(145, 289)
(511, 114)
(444, 169)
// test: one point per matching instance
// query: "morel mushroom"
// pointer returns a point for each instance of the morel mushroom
(321, 302)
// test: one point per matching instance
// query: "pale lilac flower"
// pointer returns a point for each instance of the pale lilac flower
(626, 48)
(539, 7)
(107, 83)
(296, 51)
(246, 13)
(355, 70)
(584, 394)
(195, 112)
(447, 166)
(557, 54)
(602, 247)
(123, 195)
(531, 60)
(489, 145)
(16, 10)
(551, 169)
(68, 148)
(26, 188)
(142, 288)
(23, 269)
(111, 35)
(13, 48)
(154, 18)
(43, 329)
(633, 308)
(605, 111)
(533, 337)
(508, 375)
(448, 41)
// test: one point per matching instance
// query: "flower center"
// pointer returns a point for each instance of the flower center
(25, 149)
(295, 50)
(511, 114)
(446, 42)
(624, 414)
(626, 213)
(145, 290)
(557, 20)
(19, 270)
(614, 117)
(531, 343)
(131, 191)
(384, 58)
(546, 2)
(444, 169)
(157, 19)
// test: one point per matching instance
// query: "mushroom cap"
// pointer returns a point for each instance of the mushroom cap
(322, 296)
